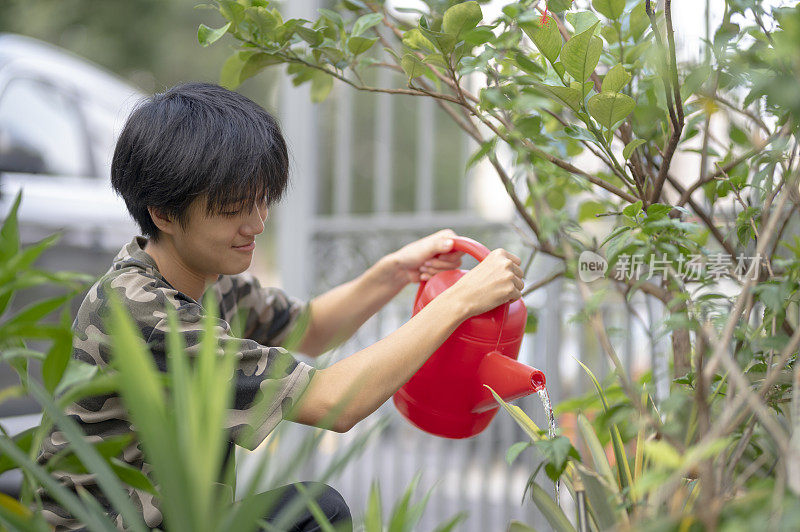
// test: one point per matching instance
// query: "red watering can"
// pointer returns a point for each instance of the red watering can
(447, 396)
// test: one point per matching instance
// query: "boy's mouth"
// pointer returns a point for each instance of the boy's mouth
(247, 247)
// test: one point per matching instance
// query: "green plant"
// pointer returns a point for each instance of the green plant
(605, 82)
(404, 516)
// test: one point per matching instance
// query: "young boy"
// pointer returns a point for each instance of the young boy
(198, 167)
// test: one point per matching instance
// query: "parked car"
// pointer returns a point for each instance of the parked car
(59, 119)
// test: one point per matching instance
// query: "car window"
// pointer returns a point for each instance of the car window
(41, 131)
(104, 125)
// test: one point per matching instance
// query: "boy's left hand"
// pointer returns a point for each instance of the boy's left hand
(421, 260)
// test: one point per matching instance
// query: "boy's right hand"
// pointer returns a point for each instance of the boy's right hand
(494, 281)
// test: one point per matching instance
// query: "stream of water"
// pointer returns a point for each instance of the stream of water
(551, 427)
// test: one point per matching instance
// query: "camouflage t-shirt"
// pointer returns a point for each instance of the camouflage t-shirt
(266, 315)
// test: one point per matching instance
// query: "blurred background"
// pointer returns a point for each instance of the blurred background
(370, 172)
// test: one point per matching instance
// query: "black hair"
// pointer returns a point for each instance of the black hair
(198, 139)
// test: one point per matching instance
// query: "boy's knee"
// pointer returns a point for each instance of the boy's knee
(332, 505)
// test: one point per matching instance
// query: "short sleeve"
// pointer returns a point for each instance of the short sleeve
(268, 379)
(267, 314)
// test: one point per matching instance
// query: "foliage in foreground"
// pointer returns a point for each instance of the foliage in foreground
(555, 82)
(178, 416)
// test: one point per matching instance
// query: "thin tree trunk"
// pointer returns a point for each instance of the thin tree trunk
(681, 343)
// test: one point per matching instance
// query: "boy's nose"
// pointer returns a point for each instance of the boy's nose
(254, 225)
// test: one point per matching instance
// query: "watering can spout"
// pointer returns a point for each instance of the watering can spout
(508, 378)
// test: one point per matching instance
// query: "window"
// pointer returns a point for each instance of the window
(41, 131)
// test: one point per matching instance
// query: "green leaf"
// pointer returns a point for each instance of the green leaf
(412, 66)
(584, 88)
(615, 79)
(639, 21)
(484, 150)
(9, 234)
(519, 526)
(632, 145)
(18, 515)
(478, 36)
(461, 18)
(657, 211)
(608, 108)
(243, 65)
(444, 41)
(332, 54)
(610, 34)
(436, 60)
(285, 31)
(89, 456)
(623, 467)
(555, 198)
(581, 20)
(556, 451)
(554, 515)
(557, 6)
(311, 36)
(373, 518)
(36, 311)
(527, 65)
(365, 22)
(596, 449)
(321, 85)
(58, 356)
(207, 36)
(399, 518)
(414, 38)
(23, 442)
(522, 419)
(609, 8)
(132, 477)
(265, 20)
(546, 37)
(21, 261)
(232, 10)
(581, 54)
(108, 448)
(332, 16)
(559, 68)
(600, 500)
(359, 45)
(616, 233)
(77, 372)
(10, 393)
(452, 523)
(531, 321)
(571, 97)
(514, 450)
(65, 497)
(663, 454)
(231, 70)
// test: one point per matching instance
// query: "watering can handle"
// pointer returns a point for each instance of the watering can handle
(480, 252)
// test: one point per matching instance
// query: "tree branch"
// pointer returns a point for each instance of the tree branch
(539, 284)
(721, 353)
(677, 121)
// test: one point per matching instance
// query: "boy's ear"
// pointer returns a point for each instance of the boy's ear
(161, 220)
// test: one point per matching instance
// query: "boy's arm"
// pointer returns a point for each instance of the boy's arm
(338, 313)
(343, 394)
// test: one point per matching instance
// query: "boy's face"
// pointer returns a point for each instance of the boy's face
(214, 244)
